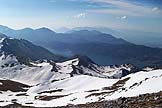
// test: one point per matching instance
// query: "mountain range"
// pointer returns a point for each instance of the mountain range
(150, 39)
(102, 48)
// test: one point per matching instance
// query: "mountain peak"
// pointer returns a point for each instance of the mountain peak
(45, 29)
(84, 60)
(27, 29)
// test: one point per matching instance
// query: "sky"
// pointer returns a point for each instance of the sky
(144, 15)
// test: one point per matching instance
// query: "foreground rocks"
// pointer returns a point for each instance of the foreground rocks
(153, 100)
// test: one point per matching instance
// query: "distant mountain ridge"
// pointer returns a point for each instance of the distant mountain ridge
(43, 35)
(134, 36)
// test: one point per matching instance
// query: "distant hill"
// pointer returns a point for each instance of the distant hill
(134, 36)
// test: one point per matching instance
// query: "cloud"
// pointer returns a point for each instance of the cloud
(80, 15)
(122, 7)
(122, 17)
(115, 12)
(155, 9)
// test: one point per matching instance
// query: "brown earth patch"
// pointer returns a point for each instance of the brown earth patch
(51, 91)
(13, 86)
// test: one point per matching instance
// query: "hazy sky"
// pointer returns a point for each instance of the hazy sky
(143, 15)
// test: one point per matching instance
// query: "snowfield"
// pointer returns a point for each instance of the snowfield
(82, 89)
(10, 68)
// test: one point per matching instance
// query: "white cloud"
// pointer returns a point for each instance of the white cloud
(122, 17)
(155, 9)
(80, 15)
(121, 7)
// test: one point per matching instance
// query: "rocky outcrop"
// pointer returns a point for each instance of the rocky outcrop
(153, 100)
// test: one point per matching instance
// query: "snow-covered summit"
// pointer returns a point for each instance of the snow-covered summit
(41, 71)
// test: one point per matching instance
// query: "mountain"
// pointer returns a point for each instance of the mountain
(105, 30)
(25, 50)
(150, 39)
(45, 35)
(29, 34)
(95, 36)
(102, 48)
(48, 70)
(107, 54)
(19, 57)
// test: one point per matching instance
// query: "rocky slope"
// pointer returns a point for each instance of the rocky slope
(149, 100)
